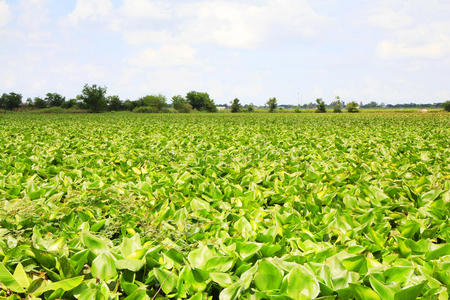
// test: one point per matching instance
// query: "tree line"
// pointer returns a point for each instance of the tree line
(94, 99)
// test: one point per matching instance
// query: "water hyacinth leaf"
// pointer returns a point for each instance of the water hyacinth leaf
(354, 206)
(300, 283)
(268, 276)
(411, 292)
(166, 279)
(66, 284)
(21, 276)
(9, 281)
(223, 279)
(103, 267)
(199, 257)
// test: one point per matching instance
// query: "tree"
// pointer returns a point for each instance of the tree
(320, 106)
(337, 108)
(54, 99)
(446, 105)
(94, 98)
(272, 103)
(39, 102)
(114, 103)
(180, 104)
(250, 108)
(10, 101)
(201, 101)
(235, 106)
(156, 102)
(70, 103)
(352, 107)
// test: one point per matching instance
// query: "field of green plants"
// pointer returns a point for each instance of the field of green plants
(244, 206)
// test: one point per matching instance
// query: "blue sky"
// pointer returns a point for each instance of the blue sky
(392, 51)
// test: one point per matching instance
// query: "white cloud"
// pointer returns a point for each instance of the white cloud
(5, 13)
(145, 9)
(233, 24)
(390, 19)
(90, 9)
(427, 41)
(165, 56)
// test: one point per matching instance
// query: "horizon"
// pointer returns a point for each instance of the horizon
(391, 52)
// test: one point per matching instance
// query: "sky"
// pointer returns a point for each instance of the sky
(392, 51)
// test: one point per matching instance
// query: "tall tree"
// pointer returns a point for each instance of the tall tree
(93, 97)
(272, 103)
(114, 103)
(235, 106)
(54, 99)
(10, 101)
(320, 106)
(201, 101)
(39, 102)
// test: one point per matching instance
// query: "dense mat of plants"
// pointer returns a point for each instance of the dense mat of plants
(107, 206)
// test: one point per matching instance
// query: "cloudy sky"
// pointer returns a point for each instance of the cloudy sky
(392, 51)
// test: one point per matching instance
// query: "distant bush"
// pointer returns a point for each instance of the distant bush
(146, 109)
(185, 108)
(352, 107)
(446, 105)
(180, 104)
(250, 108)
(297, 109)
(320, 106)
(58, 110)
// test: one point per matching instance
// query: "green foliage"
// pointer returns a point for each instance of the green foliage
(352, 107)
(94, 98)
(337, 105)
(10, 101)
(156, 102)
(272, 104)
(236, 106)
(54, 99)
(320, 106)
(181, 105)
(446, 105)
(39, 102)
(250, 108)
(146, 109)
(114, 103)
(201, 101)
(249, 206)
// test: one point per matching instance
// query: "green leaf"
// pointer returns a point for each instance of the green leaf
(439, 252)
(223, 279)
(385, 292)
(103, 267)
(410, 293)
(199, 257)
(166, 279)
(66, 284)
(268, 276)
(230, 293)
(301, 284)
(9, 281)
(21, 277)
(130, 264)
